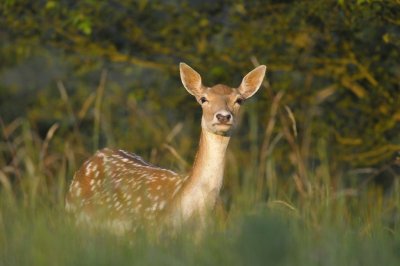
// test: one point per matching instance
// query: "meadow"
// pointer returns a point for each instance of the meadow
(312, 171)
(276, 223)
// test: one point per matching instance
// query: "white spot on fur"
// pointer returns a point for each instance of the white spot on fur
(161, 205)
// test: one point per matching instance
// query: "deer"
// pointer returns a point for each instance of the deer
(120, 190)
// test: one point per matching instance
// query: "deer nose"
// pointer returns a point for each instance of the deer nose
(223, 118)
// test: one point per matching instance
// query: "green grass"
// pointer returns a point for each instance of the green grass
(307, 218)
(47, 236)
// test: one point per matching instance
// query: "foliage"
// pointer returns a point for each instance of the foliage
(340, 77)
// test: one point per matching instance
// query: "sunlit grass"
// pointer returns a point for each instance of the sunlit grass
(264, 218)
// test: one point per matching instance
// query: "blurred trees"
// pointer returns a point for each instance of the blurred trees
(337, 63)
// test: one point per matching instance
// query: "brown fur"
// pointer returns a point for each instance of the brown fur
(114, 185)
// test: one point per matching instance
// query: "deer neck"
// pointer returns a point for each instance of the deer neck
(208, 168)
(204, 183)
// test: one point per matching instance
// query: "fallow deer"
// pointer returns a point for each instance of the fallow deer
(119, 189)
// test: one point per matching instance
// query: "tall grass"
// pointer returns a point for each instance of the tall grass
(306, 218)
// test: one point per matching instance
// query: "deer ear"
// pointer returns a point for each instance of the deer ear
(191, 79)
(252, 81)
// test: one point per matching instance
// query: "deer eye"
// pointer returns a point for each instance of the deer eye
(203, 100)
(239, 101)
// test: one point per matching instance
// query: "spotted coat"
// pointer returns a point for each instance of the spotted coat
(114, 181)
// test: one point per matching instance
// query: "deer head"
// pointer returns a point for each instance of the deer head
(220, 103)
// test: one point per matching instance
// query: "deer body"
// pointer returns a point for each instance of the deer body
(119, 189)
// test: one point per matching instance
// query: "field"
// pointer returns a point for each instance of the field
(327, 225)
(312, 173)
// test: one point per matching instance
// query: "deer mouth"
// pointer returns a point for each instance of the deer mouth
(222, 128)
(223, 125)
